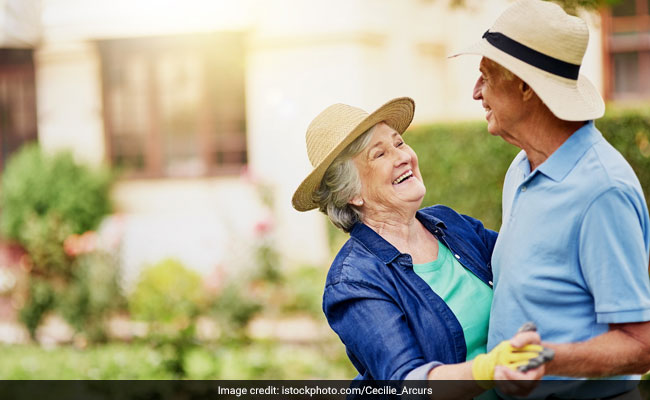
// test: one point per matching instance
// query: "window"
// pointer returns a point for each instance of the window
(626, 30)
(174, 106)
(17, 101)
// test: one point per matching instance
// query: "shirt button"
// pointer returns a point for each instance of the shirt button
(490, 283)
(457, 256)
(523, 188)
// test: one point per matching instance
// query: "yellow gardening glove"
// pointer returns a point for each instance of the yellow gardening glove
(503, 354)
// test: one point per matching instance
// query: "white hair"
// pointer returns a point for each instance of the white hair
(340, 184)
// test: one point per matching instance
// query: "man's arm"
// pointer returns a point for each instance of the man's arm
(613, 258)
(625, 349)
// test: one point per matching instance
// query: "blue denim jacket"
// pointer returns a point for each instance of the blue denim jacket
(393, 325)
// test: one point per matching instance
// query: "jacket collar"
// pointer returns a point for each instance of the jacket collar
(379, 246)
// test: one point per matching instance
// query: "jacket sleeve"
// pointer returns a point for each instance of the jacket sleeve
(374, 330)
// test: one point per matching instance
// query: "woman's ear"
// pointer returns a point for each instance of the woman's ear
(356, 201)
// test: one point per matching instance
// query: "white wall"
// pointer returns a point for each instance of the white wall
(20, 23)
(64, 20)
(69, 103)
(280, 106)
(204, 223)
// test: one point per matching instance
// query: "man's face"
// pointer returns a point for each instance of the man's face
(500, 98)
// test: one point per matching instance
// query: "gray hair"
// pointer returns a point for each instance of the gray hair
(340, 184)
(502, 71)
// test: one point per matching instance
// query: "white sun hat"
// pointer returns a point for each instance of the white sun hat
(334, 129)
(544, 46)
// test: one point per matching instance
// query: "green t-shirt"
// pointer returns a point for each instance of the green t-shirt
(467, 296)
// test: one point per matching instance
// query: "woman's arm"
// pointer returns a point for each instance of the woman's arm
(374, 330)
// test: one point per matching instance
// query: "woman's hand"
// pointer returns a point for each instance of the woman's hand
(514, 382)
(526, 348)
(493, 371)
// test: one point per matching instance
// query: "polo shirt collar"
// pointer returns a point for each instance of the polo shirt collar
(379, 246)
(562, 161)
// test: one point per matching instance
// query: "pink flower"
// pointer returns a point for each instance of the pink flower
(112, 232)
(248, 175)
(70, 245)
(263, 227)
(214, 280)
(75, 245)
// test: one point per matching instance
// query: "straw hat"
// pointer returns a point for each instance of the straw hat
(334, 129)
(544, 46)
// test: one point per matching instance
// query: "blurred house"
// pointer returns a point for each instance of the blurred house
(197, 100)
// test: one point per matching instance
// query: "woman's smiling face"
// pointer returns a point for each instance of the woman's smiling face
(389, 173)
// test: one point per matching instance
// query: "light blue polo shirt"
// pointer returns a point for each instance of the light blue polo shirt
(572, 251)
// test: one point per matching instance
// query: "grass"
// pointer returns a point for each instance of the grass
(121, 361)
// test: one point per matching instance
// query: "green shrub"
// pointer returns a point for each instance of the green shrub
(84, 301)
(93, 293)
(35, 184)
(167, 292)
(42, 237)
(43, 200)
(40, 300)
(463, 167)
(304, 287)
(233, 307)
(170, 297)
(629, 131)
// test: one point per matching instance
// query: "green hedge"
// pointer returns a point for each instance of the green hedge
(463, 166)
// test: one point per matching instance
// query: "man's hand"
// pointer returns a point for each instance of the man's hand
(518, 383)
(518, 352)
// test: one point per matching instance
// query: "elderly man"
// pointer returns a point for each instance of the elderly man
(572, 251)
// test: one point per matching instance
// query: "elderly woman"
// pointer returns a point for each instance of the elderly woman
(409, 293)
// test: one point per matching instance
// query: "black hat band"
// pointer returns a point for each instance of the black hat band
(531, 56)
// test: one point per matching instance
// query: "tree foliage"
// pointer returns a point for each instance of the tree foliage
(571, 6)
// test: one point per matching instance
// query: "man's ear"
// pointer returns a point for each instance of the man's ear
(525, 90)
